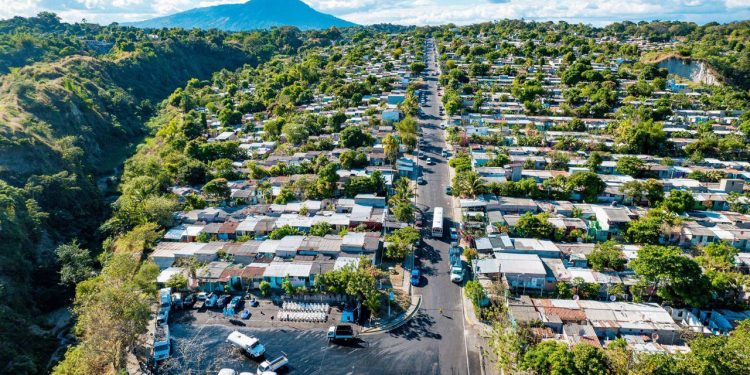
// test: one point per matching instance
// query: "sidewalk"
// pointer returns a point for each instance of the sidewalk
(478, 340)
(416, 302)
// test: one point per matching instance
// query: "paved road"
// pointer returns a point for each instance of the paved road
(438, 292)
(434, 342)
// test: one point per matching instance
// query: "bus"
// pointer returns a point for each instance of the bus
(437, 222)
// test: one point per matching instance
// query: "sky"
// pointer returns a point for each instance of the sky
(412, 12)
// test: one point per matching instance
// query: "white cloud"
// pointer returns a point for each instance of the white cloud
(409, 12)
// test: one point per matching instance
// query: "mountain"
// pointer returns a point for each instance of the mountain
(252, 15)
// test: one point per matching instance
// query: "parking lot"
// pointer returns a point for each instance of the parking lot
(201, 348)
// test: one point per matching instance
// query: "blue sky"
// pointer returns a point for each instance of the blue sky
(413, 12)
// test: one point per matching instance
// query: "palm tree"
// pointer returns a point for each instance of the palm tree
(473, 185)
(403, 190)
(390, 148)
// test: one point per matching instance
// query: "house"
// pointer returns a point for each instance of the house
(510, 205)
(299, 274)
(610, 220)
(391, 115)
(542, 248)
(524, 272)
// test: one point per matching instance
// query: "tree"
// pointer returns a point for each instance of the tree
(265, 288)
(630, 165)
(588, 184)
(390, 148)
(590, 360)
(641, 137)
(177, 281)
(284, 231)
(353, 137)
(648, 229)
(650, 190)
(404, 211)
(468, 184)
(407, 132)
(359, 282)
(679, 201)
(676, 278)
(228, 116)
(534, 226)
(471, 254)
(217, 189)
(401, 242)
(417, 68)
(295, 133)
(112, 311)
(475, 293)
(607, 256)
(594, 161)
(76, 264)
(320, 229)
(549, 357)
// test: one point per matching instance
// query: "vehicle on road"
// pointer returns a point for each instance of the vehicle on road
(162, 345)
(416, 275)
(342, 332)
(251, 345)
(437, 222)
(457, 266)
(273, 364)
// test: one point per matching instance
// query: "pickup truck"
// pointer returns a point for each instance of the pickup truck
(342, 332)
(249, 344)
(272, 365)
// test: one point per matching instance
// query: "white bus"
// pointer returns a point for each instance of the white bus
(437, 222)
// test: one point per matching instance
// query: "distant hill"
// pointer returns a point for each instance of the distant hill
(252, 15)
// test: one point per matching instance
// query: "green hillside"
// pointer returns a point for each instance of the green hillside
(66, 119)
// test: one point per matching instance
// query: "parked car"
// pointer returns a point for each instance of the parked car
(430, 161)
(416, 275)
(254, 302)
(245, 314)
(223, 300)
(212, 300)
(445, 153)
(189, 301)
(236, 303)
(454, 233)
(420, 180)
(448, 190)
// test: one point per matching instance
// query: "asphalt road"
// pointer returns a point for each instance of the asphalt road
(433, 342)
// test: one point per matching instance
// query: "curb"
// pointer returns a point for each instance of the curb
(398, 323)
